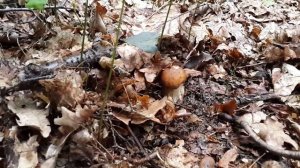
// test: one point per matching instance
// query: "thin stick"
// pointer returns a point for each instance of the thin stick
(292, 154)
(136, 140)
(164, 26)
(145, 159)
(257, 160)
(84, 29)
(114, 53)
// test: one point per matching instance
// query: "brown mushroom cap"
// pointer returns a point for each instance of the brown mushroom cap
(173, 77)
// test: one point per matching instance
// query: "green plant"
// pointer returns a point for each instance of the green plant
(36, 4)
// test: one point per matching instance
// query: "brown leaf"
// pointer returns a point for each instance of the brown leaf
(139, 84)
(30, 115)
(285, 79)
(289, 53)
(65, 89)
(228, 107)
(235, 54)
(207, 162)
(255, 32)
(100, 9)
(179, 157)
(228, 157)
(273, 54)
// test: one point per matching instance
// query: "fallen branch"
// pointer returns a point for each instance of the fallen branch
(280, 152)
(145, 159)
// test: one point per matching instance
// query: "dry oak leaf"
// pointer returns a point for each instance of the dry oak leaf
(285, 79)
(179, 157)
(131, 56)
(160, 111)
(270, 130)
(72, 120)
(65, 89)
(27, 151)
(29, 115)
(228, 157)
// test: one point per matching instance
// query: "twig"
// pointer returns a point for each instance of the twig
(145, 159)
(275, 150)
(159, 9)
(255, 161)
(84, 29)
(252, 65)
(190, 53)
(136, 140)
(164, 26)
(105, 150)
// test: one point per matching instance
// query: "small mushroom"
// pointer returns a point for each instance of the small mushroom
(173, 79)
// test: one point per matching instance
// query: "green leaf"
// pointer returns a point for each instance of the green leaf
(146, 41)
(36, 4)
(268, 3)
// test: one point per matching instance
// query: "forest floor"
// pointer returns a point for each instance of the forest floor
(219, 88)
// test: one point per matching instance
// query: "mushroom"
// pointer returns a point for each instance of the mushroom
(173, 79)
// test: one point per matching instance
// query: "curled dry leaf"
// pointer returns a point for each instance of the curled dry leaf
(217, 71)
(97, 23)
(27, 152)
(30, 115)
(255, 117)
(271, 164)
(179, 157)
(65, 89)
(7, 74)
(71, 120)
(207, 162)
(150, 73)
(151, 24)
(131, 56)
(228, 107)
(160, 111)
(119, 66)
(270, 130)
(292, 101)
(192, 72)
(285, 79)
(140, 84)
(228, 157)
(53, 151)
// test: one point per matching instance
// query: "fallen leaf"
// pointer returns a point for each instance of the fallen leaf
(72, 120)
(179, 157)
(65, 89)
(30, 115)
(271, 164)
(228, 107)
(27, 152)
(207, 162)
(53, 151)
(131, 57)
(268, 129)
(285, 79)
(228, 157)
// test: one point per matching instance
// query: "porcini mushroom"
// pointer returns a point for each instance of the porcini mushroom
(173, 79)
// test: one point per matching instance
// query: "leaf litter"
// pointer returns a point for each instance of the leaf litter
(238, 107)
